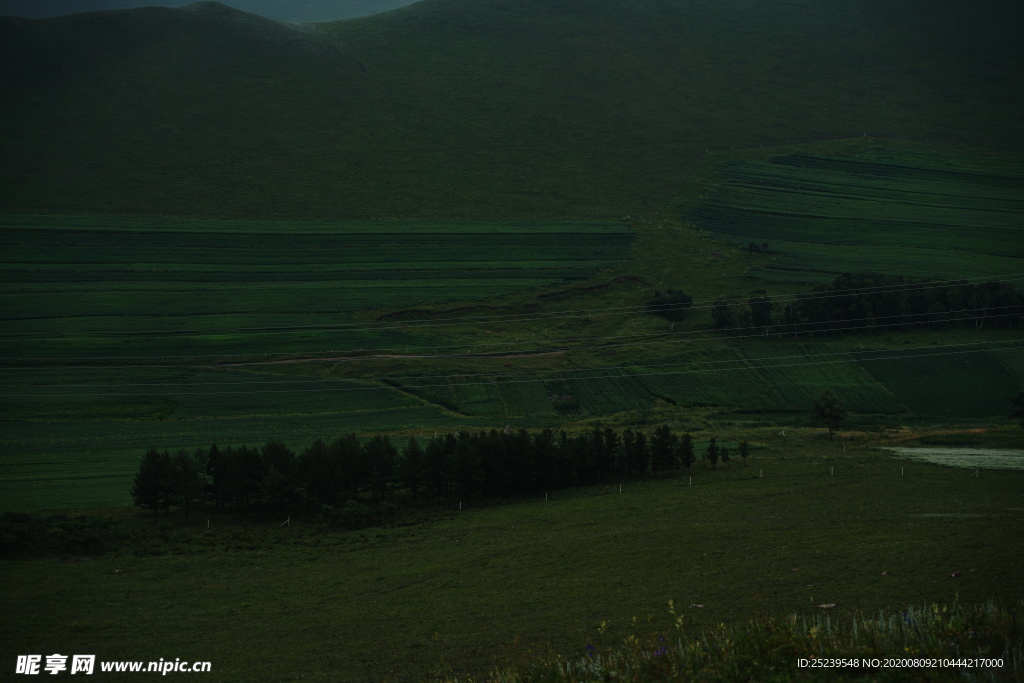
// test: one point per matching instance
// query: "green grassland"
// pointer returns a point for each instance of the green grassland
(450, 216)
(798, 372)
(718, 378)
(159, 277)
(389, 326)
(807, 523)
(919, 216)
(116, 332)
(924, 384)
(482, 109)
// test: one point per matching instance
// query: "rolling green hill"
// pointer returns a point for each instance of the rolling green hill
(481, 108)
(218, 228)
(282, 10)
(506, 113)
(124, 333)
(930, 217)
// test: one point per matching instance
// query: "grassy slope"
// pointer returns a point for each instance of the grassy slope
(680, 379)
(507, 584)
(919, 215)
(493, 109)
(284, 10)
(413, 600)
(481, 108)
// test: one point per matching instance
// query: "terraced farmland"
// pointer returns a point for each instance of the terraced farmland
(615, 391)
(952, 387)
(115, 330)
(934, 216)
(800, 372)
(719, 378)
(158, 277)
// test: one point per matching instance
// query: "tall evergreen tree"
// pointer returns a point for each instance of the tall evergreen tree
(438, 473)
(760, 309)
(320, 473)
(250, 471)
(686, 455)
(712, 453)
(352, 463)
(828, 411)
(413, 467)
(151, 487)
(466, 470)
(639, 458)
(280, 480)
(186, 480)
(215, 475)
(382, 466)
(663, 443)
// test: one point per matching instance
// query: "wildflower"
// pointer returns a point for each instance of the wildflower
(590, 650)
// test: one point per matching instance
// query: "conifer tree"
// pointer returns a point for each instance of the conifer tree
(413, 467)
(382, 466)
(152, 484)
(686, 454)
(744, 451)
(712, 453)
(828, 411)
(663, 449)
(281, 477)
(186, 481)
(320, 473)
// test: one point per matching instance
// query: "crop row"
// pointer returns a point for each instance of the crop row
(813, 262)
(742, 226)
(150, 274)
(801, 372)
(953, 387)
(297, 227)
(852, 177)
(822, 216)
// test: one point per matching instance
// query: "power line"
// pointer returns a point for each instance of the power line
(817, 327)
(390, 378)
(523, 381)
(520, 317)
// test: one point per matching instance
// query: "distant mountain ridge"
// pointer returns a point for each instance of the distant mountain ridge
(283, 10)
(475, 108)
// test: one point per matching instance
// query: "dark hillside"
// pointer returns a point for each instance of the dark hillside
(283, 10)
(478, 108)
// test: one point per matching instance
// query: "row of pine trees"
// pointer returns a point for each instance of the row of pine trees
(865, 302)
(469, 465)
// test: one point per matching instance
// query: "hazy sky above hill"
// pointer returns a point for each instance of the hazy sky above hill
(284, 10)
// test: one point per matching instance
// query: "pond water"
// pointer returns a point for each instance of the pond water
(981, 458)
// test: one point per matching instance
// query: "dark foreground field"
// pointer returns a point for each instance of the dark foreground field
(807, 523)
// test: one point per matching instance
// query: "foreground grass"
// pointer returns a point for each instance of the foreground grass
(957, 643)
(807, 523)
